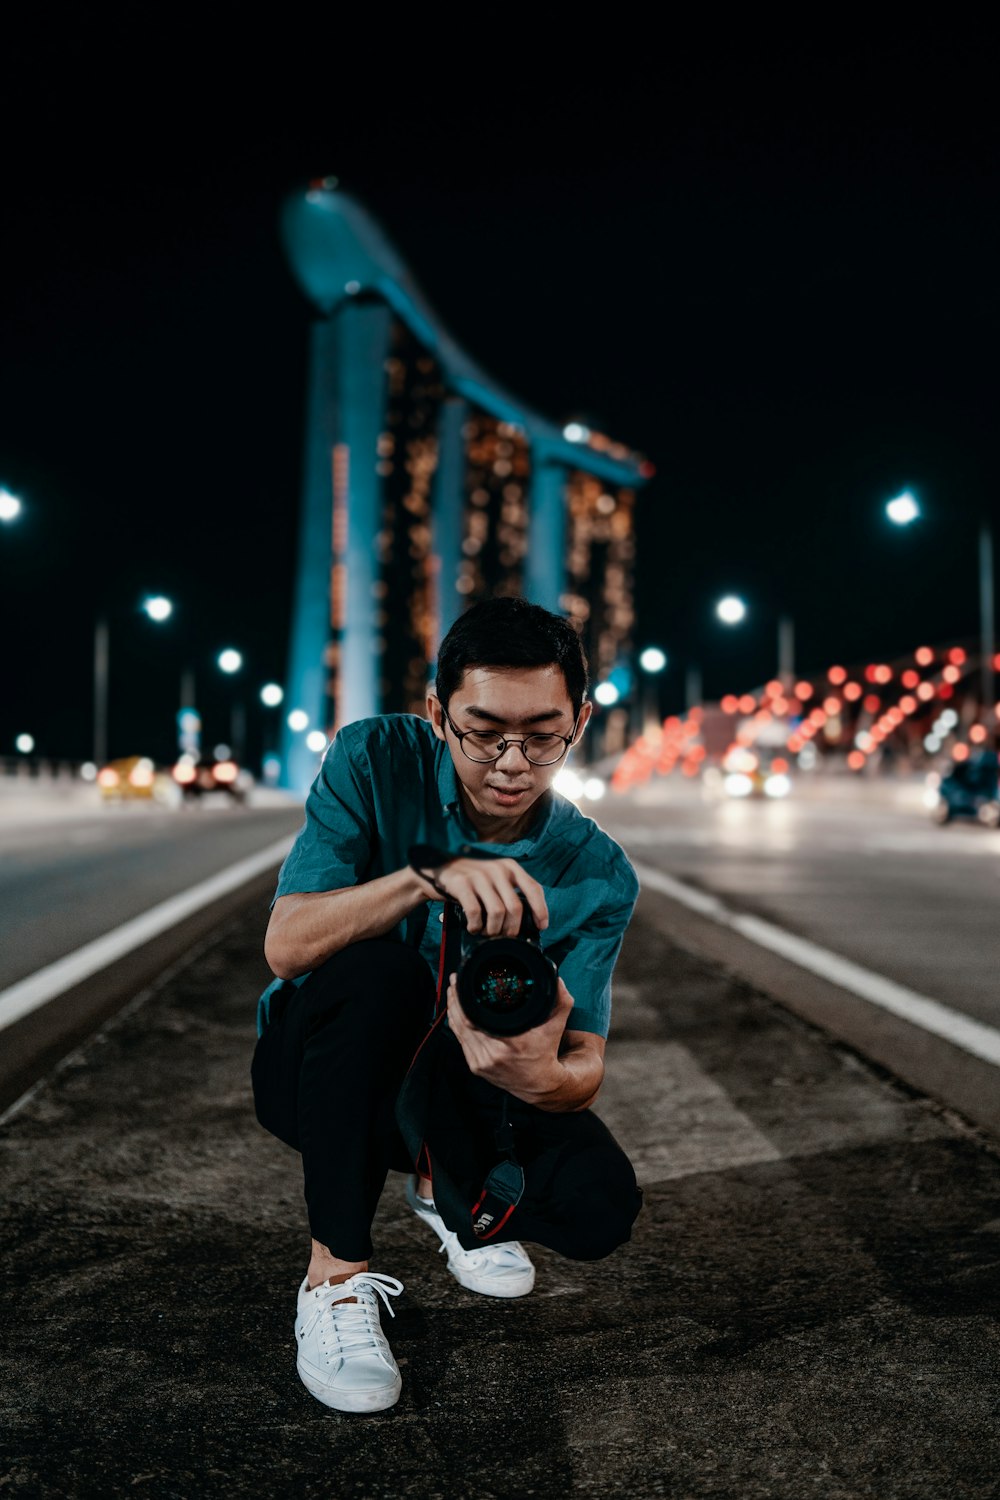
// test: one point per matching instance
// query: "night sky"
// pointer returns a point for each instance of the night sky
(773, 270)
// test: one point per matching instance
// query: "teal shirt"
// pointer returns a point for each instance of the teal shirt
(388, 783)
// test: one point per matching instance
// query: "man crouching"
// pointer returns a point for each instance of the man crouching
(364, 1063)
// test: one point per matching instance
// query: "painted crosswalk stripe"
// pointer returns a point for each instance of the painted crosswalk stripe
(684, 1125)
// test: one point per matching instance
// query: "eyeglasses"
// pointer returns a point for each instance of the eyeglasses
(485, 745)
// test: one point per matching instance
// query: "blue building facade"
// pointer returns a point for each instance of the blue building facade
(426, 488)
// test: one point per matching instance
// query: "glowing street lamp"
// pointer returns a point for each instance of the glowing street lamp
(298, 720)
(606, 694)
(731, 610)
(229, 661)
(271, 694)
(652, 661)
(158, 608)
(10, 506)
(903, 509)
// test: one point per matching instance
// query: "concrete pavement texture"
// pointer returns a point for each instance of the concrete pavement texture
(808, 1305)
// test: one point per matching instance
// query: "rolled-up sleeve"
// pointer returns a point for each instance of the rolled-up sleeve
(333, 848)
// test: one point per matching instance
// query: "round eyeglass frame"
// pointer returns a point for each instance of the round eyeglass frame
(462, 734)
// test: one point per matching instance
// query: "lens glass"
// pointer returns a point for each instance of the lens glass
(504, 984)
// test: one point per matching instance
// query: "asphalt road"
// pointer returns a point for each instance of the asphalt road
(65, 880)
(809, 1306)
(874, 883)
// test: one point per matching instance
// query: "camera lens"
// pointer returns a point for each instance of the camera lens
(506, 986)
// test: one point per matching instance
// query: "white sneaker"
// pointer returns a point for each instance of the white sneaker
(344, 1359)
(495, 1270)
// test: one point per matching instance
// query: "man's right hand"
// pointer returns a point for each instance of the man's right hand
(487, 892)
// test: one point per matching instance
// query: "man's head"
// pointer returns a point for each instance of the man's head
(509, 669)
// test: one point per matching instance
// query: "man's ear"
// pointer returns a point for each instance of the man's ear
(435, 713)
(586, 710)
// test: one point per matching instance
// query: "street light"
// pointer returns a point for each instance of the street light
(652, 662)
(904, 509)
(10, 506)
(157, 608)
(731, 610)
(230, 661)
(271, 694)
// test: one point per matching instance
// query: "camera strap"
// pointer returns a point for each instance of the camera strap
(504, 1186)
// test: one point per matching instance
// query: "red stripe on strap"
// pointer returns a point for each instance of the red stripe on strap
(497, 1227)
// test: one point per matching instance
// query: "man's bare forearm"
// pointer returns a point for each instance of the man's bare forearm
(572, 1084)
(307, 929)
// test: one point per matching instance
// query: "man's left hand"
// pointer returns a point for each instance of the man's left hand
(527, 1065)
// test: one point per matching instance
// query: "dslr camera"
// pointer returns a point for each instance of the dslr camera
(506, 985)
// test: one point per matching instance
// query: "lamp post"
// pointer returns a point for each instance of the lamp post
(652, 661)
(902, 511)
(732, 610)
(157, 608)
(272, 695)
(230, 661)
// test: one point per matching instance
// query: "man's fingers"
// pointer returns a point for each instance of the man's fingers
(488, 893)
(532, 892)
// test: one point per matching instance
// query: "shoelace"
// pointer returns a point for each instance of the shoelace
(355, 1325)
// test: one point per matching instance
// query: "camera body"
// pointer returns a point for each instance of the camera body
(506, 985)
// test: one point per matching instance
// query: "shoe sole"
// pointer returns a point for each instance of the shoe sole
(358, 1401)
(513, 1288)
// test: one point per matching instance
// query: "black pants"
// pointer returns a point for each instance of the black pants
(326, 1074)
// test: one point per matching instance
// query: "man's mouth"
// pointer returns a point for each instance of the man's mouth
(508, 795)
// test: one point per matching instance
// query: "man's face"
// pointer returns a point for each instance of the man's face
(508, 701)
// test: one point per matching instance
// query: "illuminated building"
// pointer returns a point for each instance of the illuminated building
(426, 488)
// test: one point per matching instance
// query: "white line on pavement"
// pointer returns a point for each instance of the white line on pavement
(42, 986)
(971, 1036)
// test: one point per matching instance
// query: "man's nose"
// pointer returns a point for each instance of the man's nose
(518, 748)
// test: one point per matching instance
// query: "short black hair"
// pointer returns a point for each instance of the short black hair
(512, 632)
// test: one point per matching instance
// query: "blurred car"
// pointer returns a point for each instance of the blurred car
(206, 776)
(749, 773)
(968, 789)
(134, 777)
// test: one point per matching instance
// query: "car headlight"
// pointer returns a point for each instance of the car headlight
(737, 784)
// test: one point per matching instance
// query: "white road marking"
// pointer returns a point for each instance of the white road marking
(971, 1036)
(39, 988)
(671, 1118)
